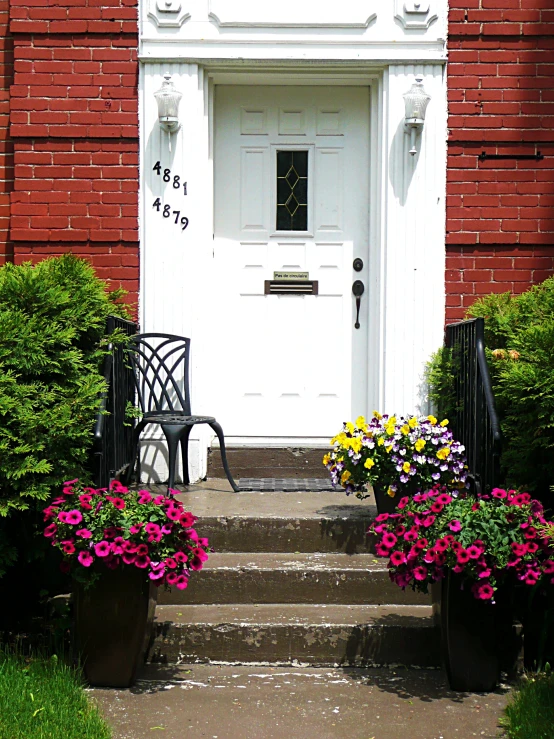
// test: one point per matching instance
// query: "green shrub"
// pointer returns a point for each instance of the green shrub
(52, 321)
(519, 335)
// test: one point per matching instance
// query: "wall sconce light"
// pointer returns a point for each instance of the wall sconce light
(416, 101)
(168, 99)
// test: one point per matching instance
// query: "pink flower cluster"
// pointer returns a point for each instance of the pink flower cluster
(120, 527)
(486, 538)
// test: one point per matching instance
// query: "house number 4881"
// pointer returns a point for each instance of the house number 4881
(165, 174)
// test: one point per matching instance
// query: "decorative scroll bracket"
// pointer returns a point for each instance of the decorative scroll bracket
(167, 13)
(415, 14)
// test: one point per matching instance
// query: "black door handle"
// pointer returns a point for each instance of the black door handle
(358, 290)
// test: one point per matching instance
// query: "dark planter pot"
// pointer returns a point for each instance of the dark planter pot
(384, 503)
(536, 609)
(113, 621)
(469, 638)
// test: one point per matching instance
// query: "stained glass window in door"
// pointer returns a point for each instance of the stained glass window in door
(292, 190)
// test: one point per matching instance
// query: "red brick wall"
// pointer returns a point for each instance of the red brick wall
(74, 123)
(6, 146)
(500, 214)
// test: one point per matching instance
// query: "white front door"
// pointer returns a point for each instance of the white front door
(291, 195)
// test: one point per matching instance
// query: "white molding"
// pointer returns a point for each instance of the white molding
(244, 14)
(275, 24)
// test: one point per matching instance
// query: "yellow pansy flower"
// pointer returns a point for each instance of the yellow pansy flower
(406, 467)
(412, 423)
(420, 443)
(377, 415)
(369, 463)
(389, 428)
(388, 448)
(391, 493)
(405, 429)
(326, 459)
(360, 422)
(392, 420)
(356, 444)
(444, 423)
(380, 441)
(349, 427)
(339, 438)
(432, 419)
(443, 453)
(345, 476)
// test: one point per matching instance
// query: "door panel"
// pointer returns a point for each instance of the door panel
(288, 358)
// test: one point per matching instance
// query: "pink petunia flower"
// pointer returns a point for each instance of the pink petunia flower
(484, 591)
(135, 528)
(462, 556)
(50, 530)
(74, 517)
(398, 558)
(144, 497)
(62, 516)
(85, 558)
(142, 550)
(187, 520)
(455, 525)
(181, 582)
(403, 502)
(128, 558)
(102, 549)
(173, 513)
(142, 561)
(420, 573)
(171, 578)
(68, 546)
(83, 533)
(474, 552)
(180, 557)
(388, 540)
(411, 535)
(159, 500)
(170, 563)
(118, 503)
(498, 493)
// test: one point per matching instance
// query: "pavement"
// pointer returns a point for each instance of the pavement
(261, 702)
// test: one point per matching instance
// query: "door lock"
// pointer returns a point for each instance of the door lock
(358, 264)
(358, 290)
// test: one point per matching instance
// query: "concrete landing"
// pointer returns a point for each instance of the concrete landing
(225, 702)
(279, 522)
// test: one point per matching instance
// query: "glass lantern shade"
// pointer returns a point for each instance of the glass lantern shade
(416, 101)
(168, 99)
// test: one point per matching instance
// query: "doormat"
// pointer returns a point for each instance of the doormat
(285, 485)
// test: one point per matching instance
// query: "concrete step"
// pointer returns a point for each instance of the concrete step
(279, 522)
(357, 579)
(283, 634)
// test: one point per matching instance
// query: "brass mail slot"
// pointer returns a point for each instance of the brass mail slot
(290, 287)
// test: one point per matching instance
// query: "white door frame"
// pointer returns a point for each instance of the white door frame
(397, 241)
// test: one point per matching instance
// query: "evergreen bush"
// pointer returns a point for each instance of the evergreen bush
(52, 322)
(519, 336)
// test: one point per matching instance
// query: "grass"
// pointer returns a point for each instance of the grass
(43, 698)
(530, 712)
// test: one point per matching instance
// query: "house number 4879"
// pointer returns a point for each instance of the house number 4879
(165, 174)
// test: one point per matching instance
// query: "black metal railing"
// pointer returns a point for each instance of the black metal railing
(113, 430)
(475, 423)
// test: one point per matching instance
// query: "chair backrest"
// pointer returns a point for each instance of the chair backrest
(161, 366)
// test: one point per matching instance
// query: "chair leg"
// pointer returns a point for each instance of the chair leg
(219, 431)
(172, 434)
(185, 454)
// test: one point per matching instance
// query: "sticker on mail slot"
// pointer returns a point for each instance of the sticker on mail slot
(290, 276)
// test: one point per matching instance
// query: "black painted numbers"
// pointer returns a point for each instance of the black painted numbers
(165, 209)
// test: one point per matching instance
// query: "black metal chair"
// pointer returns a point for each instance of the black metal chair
(161, 367)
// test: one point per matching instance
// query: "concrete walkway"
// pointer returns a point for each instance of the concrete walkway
(251, 702)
